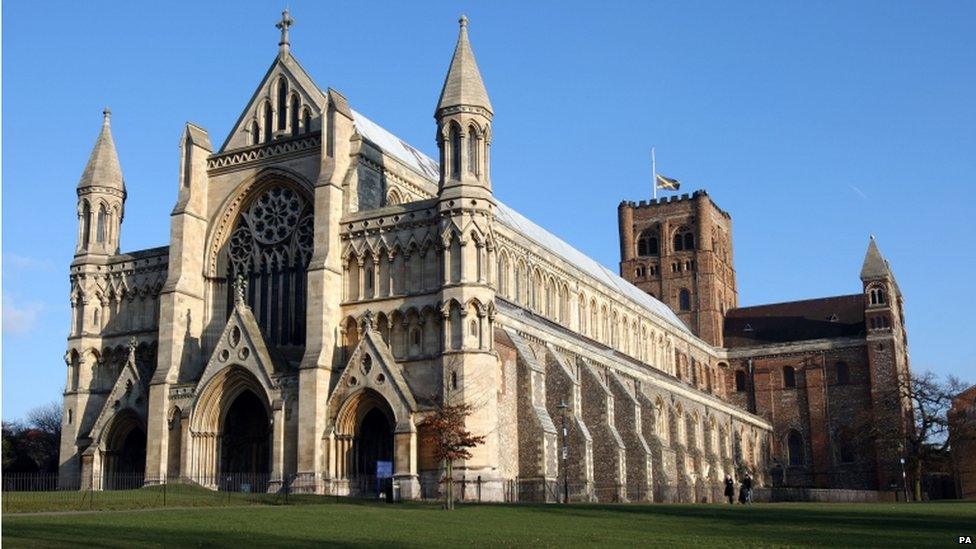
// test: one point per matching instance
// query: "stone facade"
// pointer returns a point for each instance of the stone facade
(814, 369)
(325, 282)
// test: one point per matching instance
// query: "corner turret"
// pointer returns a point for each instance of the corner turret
(464, 115)
(101, 197)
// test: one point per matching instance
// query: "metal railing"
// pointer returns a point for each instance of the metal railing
(51, 492)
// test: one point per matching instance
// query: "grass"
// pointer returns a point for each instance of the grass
(172, 495)
(361, 524)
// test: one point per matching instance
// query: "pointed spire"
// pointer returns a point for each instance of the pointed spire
(283, 25)
(874, 265)
(463, 85)
(103, 169)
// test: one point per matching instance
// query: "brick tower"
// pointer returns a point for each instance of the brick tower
(679, 250)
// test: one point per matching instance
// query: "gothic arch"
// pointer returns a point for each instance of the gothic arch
(229, 211)
(124, 451)
(215, 398)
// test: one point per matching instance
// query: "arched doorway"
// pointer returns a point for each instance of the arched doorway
(364, 439)
(230, 432)
(375, 442)
(245, 444)
(124, 460)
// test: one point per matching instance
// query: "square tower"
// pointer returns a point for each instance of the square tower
(679, 250)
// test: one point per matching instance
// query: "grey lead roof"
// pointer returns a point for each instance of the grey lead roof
(429, 169)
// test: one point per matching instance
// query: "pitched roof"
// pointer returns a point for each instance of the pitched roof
(828, 317)
(874, 265)
(429, 169)
(103, 169)
(463, 84)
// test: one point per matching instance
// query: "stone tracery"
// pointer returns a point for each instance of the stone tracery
(271, 247)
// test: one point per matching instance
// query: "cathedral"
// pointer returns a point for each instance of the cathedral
(326, 285)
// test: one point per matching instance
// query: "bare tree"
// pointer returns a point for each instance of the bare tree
(46, 418)
(926, 438)
(445, 432)
(33, 445)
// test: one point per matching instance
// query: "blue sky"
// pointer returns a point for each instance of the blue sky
(815, 124)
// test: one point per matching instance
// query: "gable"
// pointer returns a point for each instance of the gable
(298, 84)
(128, 392)
(372, 367)
(241, 344)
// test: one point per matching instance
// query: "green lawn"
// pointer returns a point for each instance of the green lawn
(420, 525)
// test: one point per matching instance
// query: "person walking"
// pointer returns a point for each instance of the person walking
(747, 489)
(729, 489)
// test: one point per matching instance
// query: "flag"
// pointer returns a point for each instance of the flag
(666, 183)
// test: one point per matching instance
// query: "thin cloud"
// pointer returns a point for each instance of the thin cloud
(859, 192)
(20, 318)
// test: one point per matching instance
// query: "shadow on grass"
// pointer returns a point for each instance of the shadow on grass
(895, 524)
(46, 534)
(366, 523)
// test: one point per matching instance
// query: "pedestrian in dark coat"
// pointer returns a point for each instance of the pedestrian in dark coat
(730, 489)
(747, 488)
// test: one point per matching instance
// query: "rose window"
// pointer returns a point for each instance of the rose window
(270, 247)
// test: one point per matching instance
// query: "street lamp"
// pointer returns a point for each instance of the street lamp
(904, 478)
(564, 410)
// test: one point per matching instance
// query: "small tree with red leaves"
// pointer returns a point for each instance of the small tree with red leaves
(445, 432)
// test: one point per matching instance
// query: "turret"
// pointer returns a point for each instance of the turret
(465, 202)
(463, 117)
(888, 360)
(101, 197)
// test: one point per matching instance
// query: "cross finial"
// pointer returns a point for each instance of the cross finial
(463, 21)
(240, 285)
(106, 114)
(286, 21)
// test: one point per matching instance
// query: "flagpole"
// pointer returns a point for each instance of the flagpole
(654, 173)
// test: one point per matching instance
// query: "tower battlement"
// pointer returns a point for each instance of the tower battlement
(673, 199)
(679, 250)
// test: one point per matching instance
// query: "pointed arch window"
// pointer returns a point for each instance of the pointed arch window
(270, 248)
(503, 269)
(684, 299)
(282, 103)
(267, 122)
(472, 151)
(293, 115)
(255, 133)
(100, 225)
(306, 120)
(455, 139)
(86, 222)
